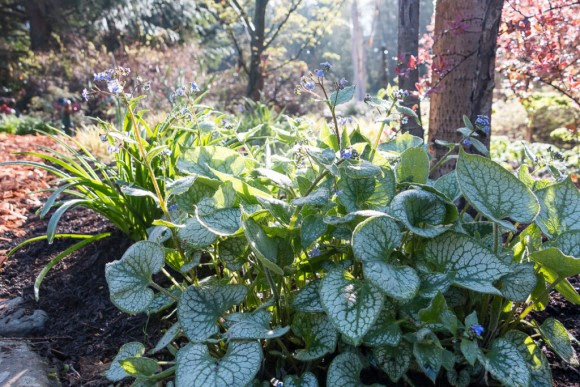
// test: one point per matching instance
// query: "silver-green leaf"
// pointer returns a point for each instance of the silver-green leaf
(385, 331)
(307, 299)
(413, 167)
(394, 361)
(318, 334)
(344, 371)
(506, 364)
(116, 373)
(253, 326)
(306, 380)
(560, 208)
(195, 235)
(540, 373)
(558, 338)
(375, 238)
(399, 282)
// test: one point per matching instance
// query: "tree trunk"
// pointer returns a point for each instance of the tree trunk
(408, 45)
(464, 52)
(40, 30)
(256, 76)
(358, 62)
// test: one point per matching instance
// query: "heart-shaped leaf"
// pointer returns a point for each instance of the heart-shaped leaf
(540, 373)
(307, 299)
(447, 185)
(369, 193)
(352, 305)
(221, 213)
(264, 247)
(344, 371)
(195, 235)
(200, 307)
(520, 283)
(139, 366)
(429, 357)
(189, 199)
(116, 373)
(130, 277)
(312, 228)
(234, 251)
(361, 169)
(556, 261)
(375, 238)
(470, 350)
(253, 326)
(401, 143)
(385, 331)
(473, 266)
(494, 191)
(399, 282)
(394, 361)
(341, 96)
(306, 380)
(560, 208)
(201, 159)
(506, 364)
(413, 167)
(424, 213)
(558, 338)
(568, 243)
(318, 334)
(197, 368)
(317, 197)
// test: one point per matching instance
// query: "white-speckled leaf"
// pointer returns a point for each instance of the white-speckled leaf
(429, 357)
(540, 373)
(401, 143)
(433, 283)
(306, 380)
(560, 208)
(352, 305)
(447, 185)
(197, 368)
(385, 331)
(189, 199)
(399, 282)
(139, 366)
(556, 261)
(424, 213)
(520, 283)
(221, 213)
(200, 307)
(318, 334)
(568, 243)
(233, 251)
(318, 197)
(360, 169)
(129, 278)
(253, 326)
(474, 267)
(558, 338)
(277, 178)
(195, 235)
(375, 238)
(494, 191)
(506, 364)
(394, 361)
(312, 228)
(201, 159)
(344, 371)
(171, 334)
(307, 299)
(413, 167)
(116, 373)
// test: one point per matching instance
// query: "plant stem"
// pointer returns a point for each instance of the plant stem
(163, 290)
(163, 374)
(442, 160)
(544, 293)
(332, 112)
(496, 236)
(380, 133)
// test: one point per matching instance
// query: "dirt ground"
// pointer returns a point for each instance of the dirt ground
(84, 330)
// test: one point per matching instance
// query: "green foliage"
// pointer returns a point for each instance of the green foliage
(315, 258)
(21, 125)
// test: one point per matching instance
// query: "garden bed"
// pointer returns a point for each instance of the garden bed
(85, 330)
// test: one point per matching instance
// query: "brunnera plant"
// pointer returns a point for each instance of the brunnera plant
(338, 261)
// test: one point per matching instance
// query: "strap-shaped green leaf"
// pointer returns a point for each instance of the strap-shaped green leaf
(318, 334)
(200, 307)
(413, 167)
(385, 331)
(474, 267)
(494, 191)
(253, 326)
(568, 243)
(130, 277)
(399, 282)
(116, 373)
(520, 283)
(560, 208)
(312, 228)
(557, 337)
(540, 373)
(197, 368)
(264, 247)
(221, 213)
(556, 261)
(506, 364)
(422, 212)
(195, 235)
(344, 371)
(307, 299)
(352, 305)
(375, 238)
(306, 380)
(201, 159)
(394, 361)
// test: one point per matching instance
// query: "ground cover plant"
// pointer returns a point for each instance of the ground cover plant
(334, 259)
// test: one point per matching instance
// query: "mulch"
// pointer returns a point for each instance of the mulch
(85, 330)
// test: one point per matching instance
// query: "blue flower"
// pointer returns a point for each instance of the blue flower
(85, 94)
(103, 76)
(319, 73)
(173, 207)
(478, 329)
(112, 149)
(401, 93)
(315, 252)
(171, 97)
(194, 87)
(346, 153)
(103, 137)
(483, 123)
(467, 142)
(342, 84)
(325, 66)
(114, 86)
(180, 92)
(309, 85)
(405, 120)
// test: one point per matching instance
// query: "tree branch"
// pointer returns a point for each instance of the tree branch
(292, 9)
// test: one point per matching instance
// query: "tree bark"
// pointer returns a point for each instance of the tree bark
(408, 45)
(255, 75)
(40, 30)
(464, 48)
(358, 62)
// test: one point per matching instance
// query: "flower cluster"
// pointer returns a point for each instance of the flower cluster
(483, 123)
(401, 94)
(111, 76)
(181, 92)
